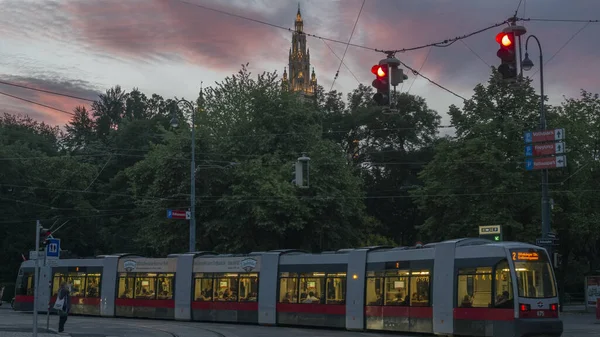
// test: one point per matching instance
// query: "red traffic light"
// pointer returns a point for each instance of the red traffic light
(506, 40)
(379, 70)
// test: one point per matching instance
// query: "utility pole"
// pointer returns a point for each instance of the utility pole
(175, 123)
(36, 278)
(193, 184)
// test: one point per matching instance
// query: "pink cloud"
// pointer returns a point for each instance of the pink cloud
(15, 106)
(155, 30)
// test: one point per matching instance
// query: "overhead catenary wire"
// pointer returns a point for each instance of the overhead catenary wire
(37, 103)
(475, 53)
(92, 192)
(255, 198)
(223, 164)
(46, 91)
(420, 68)
(339, 58)
(559, 20)
(563, 46)
(443, 43)
(518, 7)
(273, 25)
(415, 72)
(347, 45)
(325, 198)
(67, 217)
(449, 42)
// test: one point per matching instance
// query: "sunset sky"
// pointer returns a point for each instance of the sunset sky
(83, 47)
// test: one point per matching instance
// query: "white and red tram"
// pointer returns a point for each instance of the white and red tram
(470, 287)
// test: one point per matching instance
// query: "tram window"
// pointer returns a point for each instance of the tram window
(165, 286)
(474, 287)
(288, 288)
(26, 285)
(77, 282)
(312, 286)
(419, 288)
(336, 288)
(248, 288)
(503, 292)
(374, 288)
(92, 285)
(535, 279)
(56, 281)
(145, 286)
(225, 288)
(126, 285)
(203, 287)
(396, 287)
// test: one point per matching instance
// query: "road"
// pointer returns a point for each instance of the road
(14, 324)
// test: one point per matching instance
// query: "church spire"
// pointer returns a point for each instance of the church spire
(299, 22)
(298, 77)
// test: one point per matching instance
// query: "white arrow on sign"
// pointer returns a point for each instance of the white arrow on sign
(560, 147)
(559, 134)
(188, 215)
(561, 161)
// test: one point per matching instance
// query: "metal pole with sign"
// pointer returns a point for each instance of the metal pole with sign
(52, 254)
(36, 279)
(48, 309)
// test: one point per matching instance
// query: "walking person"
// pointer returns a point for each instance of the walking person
(64, 293)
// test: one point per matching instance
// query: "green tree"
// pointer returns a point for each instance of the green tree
(35, 184)
(478, 178)
(575, 189)
(252, 133)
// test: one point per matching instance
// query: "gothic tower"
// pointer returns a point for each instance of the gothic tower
(300, 78)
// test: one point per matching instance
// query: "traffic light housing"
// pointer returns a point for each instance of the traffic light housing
(507, 54)
(45, 234)
(381, 83)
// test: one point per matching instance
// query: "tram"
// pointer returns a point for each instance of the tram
(468, 287)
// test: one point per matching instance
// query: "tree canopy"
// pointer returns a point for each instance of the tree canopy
(375, 178)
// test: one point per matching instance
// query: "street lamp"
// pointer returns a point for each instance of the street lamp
(527, 65)
(175, 124)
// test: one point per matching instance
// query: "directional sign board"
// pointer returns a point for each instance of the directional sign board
(178, 214)
(536, 150)
(33, 255)
(544, 136)
(546, 242)
(493, 232)
(53, 249)
(545, 163)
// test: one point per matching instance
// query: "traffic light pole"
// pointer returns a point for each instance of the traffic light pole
(36, 281)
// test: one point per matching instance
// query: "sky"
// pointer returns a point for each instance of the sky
(168, 47)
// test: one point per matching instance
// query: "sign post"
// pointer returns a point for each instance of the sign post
(52, 253)
(545, 150)
(493, 232)
(36, 279)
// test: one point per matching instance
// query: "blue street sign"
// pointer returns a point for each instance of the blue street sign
(529, 164)
(528, 137)
(529, 151)
(53, 248)
(169, 214)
